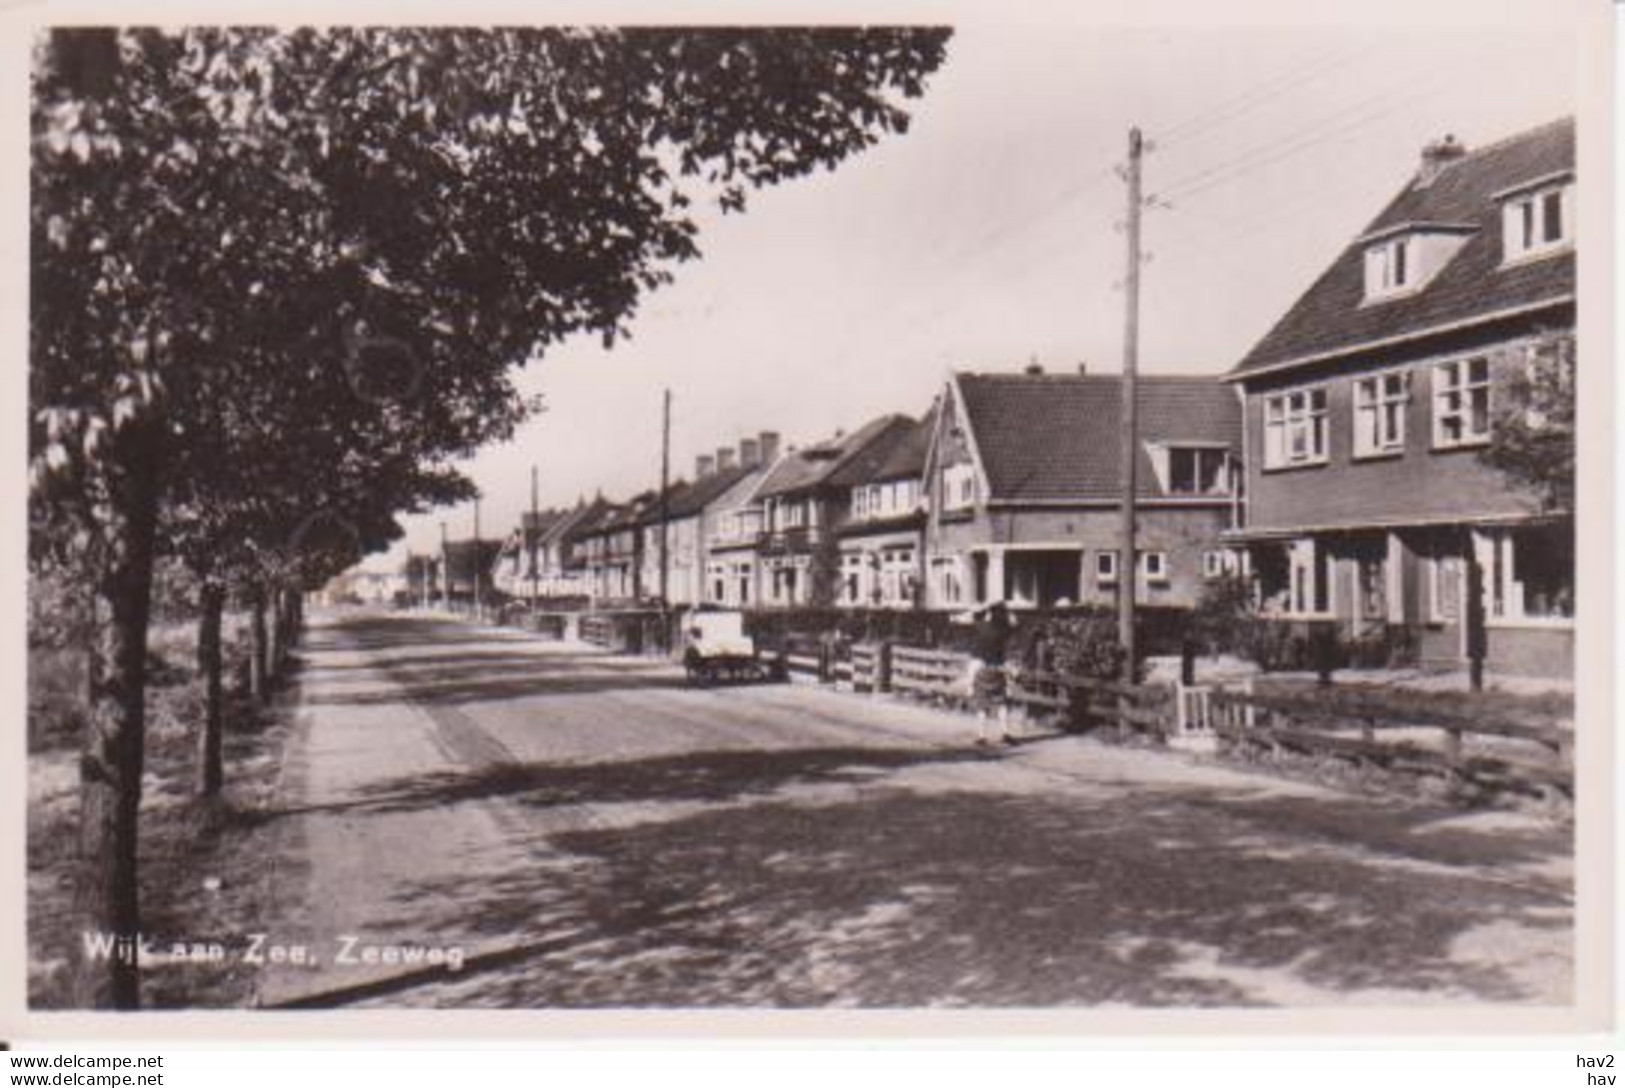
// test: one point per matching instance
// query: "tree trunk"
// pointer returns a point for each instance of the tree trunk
(110, 769)
(257, 686)
(211, 771)
(279, 633)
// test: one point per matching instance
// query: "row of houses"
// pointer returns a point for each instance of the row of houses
(1337, 465)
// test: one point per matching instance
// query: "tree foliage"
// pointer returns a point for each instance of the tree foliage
(1532, 431)
(281, 281)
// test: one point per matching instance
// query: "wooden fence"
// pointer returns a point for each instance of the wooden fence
(1497, 753)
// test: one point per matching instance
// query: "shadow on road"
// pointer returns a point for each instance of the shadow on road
(804, 879)
(712, 777)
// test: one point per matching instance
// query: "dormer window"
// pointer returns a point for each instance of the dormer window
(1538, 222)
(1191, 470)
(1389, 268)
(1401, 258)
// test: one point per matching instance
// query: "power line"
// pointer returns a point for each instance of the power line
(1261, 94)
(1353, 119)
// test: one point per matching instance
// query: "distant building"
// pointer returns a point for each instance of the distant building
(690, 511)
(734, 524)
(881, 539)
(1025, 489)
(803, 501)
(1368, 403)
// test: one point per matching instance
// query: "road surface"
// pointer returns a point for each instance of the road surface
(571, 829)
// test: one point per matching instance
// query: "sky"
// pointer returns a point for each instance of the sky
(987, 237)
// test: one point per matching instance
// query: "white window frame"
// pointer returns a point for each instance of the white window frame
(959, 486)
(1463, 386)
(1218, 563)
(1157, 577)
(1283, 421)
(1304, 556)
(1503, 590)
(1525, 224)
(1198, 450)
(1372, 399)
(1105, 568)
(1391, 268)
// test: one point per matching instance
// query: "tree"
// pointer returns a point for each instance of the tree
(1532, 430)
(260, 256)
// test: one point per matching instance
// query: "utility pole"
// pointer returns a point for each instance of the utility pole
(479, 565)
(1127, 569)
(665, 486)
(532, 538)
(445, 570)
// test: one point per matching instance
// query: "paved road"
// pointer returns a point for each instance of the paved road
(589, 832)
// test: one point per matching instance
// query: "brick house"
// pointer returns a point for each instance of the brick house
(540, 554)
(882, 538)
(1025, 492)
(733, 527)
(610, 546)
(803, 501)
(690, 512)
(1369, 403)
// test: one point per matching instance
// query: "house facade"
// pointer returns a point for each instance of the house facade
(729, 536)
(688, 515)
(1370, 404)
(610, 547)
(539, 557)
(1024, 489)
(803, 501)
(881, 540)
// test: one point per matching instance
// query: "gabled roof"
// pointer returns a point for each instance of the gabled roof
(1332, 317)
(570, 525)
(907, 458)
(830, 462)
(602, 516)
(706, 490)
(1055, 437)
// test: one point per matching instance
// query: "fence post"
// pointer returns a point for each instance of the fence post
(1452, 749)
(1323, 642)
(883, 666)
(1187, 661)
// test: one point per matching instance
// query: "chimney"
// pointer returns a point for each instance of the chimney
(1083, 366)
(1033, 370)
(1435, 157)
(750, 453)
(725, 458)
(703, 465)
(770, 446)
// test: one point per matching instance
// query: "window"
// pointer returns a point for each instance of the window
(860, 503)
(1390, 267)
(1154, 566)
(1310, 589)
(1295, 428)
(1105, 567)
(1193, 470)
(1528, 572)
(1217, 563)
(1461, 402)
(958, 486)
(1379, 414)
(950, 579)
(1538, 223)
